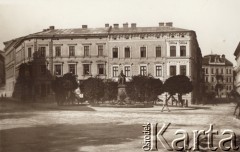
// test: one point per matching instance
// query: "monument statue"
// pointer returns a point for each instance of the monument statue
(121, 78)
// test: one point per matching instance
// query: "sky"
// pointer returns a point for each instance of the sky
(216, 22)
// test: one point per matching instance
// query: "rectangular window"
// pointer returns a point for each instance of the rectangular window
(127, 71)
(221, 71)
(29, 52)
(71, 50)
(100, 50)
(101, 69)
(183, 69)
(72, 68)
(158, 71)
(115, 52)
(172, 50)
(143, 52)
(43, 69)
(212, 79)
(143, 70)
(86, 69)
(58, 51)
(206, 70)
(127, 52)
(206, 79)
(173, 70)
(58, 69)
(158, 51)
(182, 50)
(86, 51)
(42, 51)
(230, 71)
(212, 70)
(226, 71)
(115, 71)
(217, 71)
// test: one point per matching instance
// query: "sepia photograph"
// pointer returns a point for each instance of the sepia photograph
(119, 75)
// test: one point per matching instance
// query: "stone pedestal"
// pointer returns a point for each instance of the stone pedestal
(121, 90)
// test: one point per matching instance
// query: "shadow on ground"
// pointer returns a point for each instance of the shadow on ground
(66, 138)
(14, 106)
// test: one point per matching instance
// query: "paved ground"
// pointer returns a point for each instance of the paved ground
(48, 128)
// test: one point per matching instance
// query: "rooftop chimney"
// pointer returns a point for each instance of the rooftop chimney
(51, 27)
(169, 24)
(84, 26)
(106, 25)
(133, 25)
(115, 25)
(161, 23)
(223, 56)
(125, 25)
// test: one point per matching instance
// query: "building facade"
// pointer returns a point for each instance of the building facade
(161, 52)
(218, 71)
(237, 68)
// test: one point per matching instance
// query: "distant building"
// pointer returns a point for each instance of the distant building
(161, 52)
(237, 68)
(2, 68)
(218, 70)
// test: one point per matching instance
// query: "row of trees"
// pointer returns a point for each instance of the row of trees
(140, 88)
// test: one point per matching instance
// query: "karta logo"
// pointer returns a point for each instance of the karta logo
(153, 136)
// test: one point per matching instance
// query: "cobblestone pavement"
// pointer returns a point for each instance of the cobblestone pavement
(48, 128)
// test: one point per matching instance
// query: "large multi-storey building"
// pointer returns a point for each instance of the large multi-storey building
(217, 70)
(161, 51)
(237, 68)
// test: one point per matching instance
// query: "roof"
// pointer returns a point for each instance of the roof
(76, 31)
(147, 29)
(81, 32)
(237, 50)
(215, 59)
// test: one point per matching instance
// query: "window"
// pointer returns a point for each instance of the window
(226, 71)
(158, 71)
(71, 50)
(172, 70)
(58, 69)
(206, 79)
(182, 50)
(230, 88)
(58, 51)
(127, 71)
(86, 69)
(212, 70)
(143, 70)
(72, 68)
(115, 71)
(172, 50)
(101, 69)
(100, 50)
(206, 70)
(86, 51)
(42, 51)
(143, 52)
(230, 71)
(29, 52)
(183, 69)
(115, 52)
(221, 71)
(127, 52)
(158, 51)
(43, 69)
(217, 71)
(212, 79)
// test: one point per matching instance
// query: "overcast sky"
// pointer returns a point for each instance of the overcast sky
(216, 22)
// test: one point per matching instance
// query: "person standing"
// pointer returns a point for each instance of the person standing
(165, 104)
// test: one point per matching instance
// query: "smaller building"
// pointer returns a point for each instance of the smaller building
(237, 68)
(218, 75)
(2, 68)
